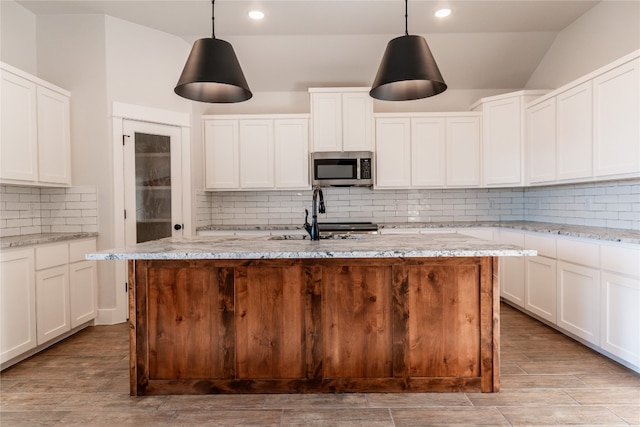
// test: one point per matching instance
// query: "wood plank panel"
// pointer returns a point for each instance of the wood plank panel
(190, 311)
(444, 325)
(356, 319)
(270, 341)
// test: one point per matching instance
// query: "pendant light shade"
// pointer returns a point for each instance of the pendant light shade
(407, 71)
(212, 73)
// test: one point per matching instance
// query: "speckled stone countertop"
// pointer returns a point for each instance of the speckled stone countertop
(581, 231)
(41, 238)
(293, 247)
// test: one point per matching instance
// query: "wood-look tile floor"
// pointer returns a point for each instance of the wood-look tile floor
(547, 379)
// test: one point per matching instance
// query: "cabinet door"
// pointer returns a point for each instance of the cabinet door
(357, 121)
(616, 99)
(326, 117)
(291, 140)
(52, 302)
(428, 152)
(83, 286)
(17, 303)
(463, 152)
(393, 153)
(578, 301)
(502, 141)
(54, 141)
(540, 287)
(574, 133)
(541, 141)
(621, 316)
(221, 154)
(512, 270)
(18, 128)
(256, 154)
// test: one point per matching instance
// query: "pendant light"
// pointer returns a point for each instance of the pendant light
(408, 70)
(212, 72)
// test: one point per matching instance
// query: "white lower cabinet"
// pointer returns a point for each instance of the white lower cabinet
(52, 303)
(540, 287)
(620, 302)
(46, 291)
(17, 303)
(512, 269)
(540, 281)
(579, 301)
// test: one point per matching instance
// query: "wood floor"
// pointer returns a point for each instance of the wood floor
(547, 379)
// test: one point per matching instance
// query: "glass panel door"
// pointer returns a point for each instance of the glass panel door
(153, 186)
(152, 181)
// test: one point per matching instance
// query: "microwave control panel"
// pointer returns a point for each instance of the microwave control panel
(365, 168)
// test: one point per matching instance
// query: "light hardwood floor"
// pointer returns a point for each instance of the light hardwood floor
(547, 379)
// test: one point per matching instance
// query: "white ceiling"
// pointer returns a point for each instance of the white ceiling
(303, 43)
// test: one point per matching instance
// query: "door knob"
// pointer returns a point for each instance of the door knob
(177, 227)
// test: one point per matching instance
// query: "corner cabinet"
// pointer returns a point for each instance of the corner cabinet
(503, 136)
(433, 150)
(341, 119)
(35, 142)
(251, 152)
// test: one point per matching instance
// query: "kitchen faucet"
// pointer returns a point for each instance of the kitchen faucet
(312, 228)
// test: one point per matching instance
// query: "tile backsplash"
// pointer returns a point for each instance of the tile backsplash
(614, 204)
(29, 210)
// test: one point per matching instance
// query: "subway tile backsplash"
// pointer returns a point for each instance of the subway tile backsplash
(614, 204)
(29, 210)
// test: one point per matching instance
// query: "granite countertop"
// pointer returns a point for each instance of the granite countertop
(580, 231)
(289, 247)
(41, 238)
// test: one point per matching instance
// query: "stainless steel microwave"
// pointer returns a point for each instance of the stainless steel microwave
(342, 169)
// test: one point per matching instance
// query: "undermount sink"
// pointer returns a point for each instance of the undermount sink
(322, 237)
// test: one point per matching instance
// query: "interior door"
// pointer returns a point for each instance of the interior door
(152, 181)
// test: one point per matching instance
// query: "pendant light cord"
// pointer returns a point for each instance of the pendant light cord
(406, 17)
(213, 20)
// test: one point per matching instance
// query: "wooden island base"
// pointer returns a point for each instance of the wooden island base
(314, 325)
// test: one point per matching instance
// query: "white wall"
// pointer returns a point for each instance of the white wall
(607, 32)
(18, 36)
(101, 59)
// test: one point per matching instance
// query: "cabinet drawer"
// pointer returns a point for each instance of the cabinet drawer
(51, 255)
(578, 252)
(77, 250)
(620, 260)
(546, 246)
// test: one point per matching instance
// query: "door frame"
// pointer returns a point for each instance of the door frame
(120, 113)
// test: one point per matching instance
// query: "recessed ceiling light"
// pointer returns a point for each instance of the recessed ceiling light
(443, 13)
(256, 14)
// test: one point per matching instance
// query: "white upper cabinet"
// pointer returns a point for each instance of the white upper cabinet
(35, 131)
(291, 137)
(588, 129)
(222, 165)
(574, 132)
(616, 101)
(541, 141)
(341, 119)
(503, 136)
(393, 152)
(19, 129)
(427, 150)
(54, 141)
(463, 151)
(256, 152)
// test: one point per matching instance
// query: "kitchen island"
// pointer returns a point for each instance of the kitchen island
(282, 314)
